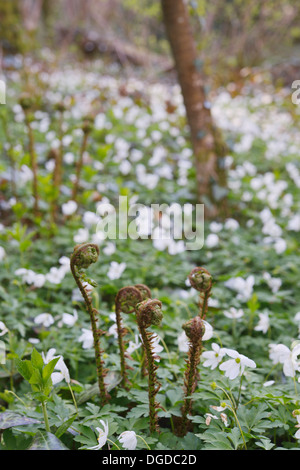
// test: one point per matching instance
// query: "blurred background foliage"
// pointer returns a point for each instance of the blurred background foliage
(230, 34)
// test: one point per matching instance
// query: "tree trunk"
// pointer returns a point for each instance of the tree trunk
(204, 137)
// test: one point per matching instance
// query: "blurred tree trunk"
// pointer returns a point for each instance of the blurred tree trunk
(31, 11)
(205, 139)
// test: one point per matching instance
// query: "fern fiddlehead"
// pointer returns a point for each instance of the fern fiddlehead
(201, 280)
(149, 313)
(82, 257)
(126, 301)
(194, 330)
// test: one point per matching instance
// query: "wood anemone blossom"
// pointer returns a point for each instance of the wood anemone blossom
(149, 313)
(194, 330)
(82, 257)
(126, 301)
(201, 280)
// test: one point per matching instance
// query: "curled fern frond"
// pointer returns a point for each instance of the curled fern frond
(126, 301)
(82, 257)
(149, 313)
(201, 280)
(194, 330)
(145, 291)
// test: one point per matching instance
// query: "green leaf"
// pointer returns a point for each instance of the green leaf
(236, 438)
(24, 368)
(265, 443)
(215, 440)
(35, 378)
(46, 441)
(49, 368)
(65, 426)
(9, 419)
(37, 360)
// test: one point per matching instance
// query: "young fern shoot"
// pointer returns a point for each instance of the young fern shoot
(149, 313)
(145, 291)
(126, 301)
(201, 280)
(194, 330)
(82, 257)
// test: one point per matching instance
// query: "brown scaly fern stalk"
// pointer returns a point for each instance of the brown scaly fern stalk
(149, 313)
(194, 330)
(201, 280)
(126, 301)
(26, 103)
(146, 293)
(82, 257)
(87, 128)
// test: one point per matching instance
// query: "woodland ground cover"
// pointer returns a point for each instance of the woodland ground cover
(247, 391)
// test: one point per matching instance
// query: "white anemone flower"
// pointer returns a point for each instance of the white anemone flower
(102, 436)
(68, 208)
(208, 333)
(86, 338)
(69, 319)
(234, 313)
(44, 319)
(236, 366)
(128, 440)
(62, 370)
(156, 347)
(3, 328)
(116, 270)
(62, 373)
(183, 342)
(214, 357)
(264, 322)
(133, 345)
(2, 253)
(279, 353)
(244, 287)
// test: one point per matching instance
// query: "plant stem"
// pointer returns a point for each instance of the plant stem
(121, 347)
(73, 397)
(190, 382)
(143, 441)
(152, 383)
(45, 416)
(112, 442)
